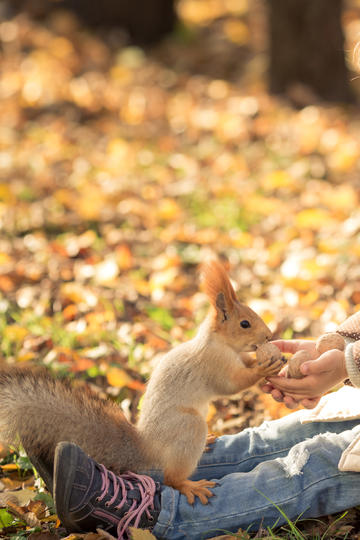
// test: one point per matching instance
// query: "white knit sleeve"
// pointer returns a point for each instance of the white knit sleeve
(351, 365)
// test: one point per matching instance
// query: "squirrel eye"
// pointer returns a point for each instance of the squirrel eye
(245, 324)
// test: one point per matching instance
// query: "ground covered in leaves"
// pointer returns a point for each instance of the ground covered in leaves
(123, 169)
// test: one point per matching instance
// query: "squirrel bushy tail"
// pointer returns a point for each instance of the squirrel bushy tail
(41, 411)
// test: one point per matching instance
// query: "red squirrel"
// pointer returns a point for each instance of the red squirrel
(171, 431)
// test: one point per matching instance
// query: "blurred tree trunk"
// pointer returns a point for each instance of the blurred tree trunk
(307, 47)
(146, 21)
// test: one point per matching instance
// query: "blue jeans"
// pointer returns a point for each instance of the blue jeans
(283, 463)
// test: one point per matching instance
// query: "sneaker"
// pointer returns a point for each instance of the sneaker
(88, 496)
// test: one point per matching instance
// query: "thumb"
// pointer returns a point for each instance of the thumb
(314, 367)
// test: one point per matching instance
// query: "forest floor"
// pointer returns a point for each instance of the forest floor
(122, 170)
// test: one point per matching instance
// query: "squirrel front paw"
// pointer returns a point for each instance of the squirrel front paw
(270, 367)
(269, 360)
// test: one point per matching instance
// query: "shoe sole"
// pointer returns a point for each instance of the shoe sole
(64, 475)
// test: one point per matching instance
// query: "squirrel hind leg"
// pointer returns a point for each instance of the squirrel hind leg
(177, 472)
(190, 488)
(181, 457)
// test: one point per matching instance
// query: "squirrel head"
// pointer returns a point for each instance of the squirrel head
(237, 324)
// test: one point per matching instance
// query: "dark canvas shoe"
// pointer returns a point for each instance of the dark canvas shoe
(89, 496)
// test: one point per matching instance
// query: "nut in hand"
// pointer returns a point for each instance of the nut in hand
(294, 363)
(329, 341)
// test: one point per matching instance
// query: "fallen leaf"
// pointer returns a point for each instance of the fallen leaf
(141, 534)
(119, 378)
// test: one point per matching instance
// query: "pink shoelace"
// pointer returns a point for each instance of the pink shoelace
(146, 486)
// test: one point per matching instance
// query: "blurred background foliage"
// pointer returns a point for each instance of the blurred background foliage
(138, 139)
(128, 158)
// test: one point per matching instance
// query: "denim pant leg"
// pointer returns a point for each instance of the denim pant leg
(242, 451)
(302, 481)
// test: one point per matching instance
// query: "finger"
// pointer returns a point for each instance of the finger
(277, 395)
(310, 403)
(294, 345)
(290, 402)
(267, 388)
(283, 372)
(286, 346)
(322, 364)
(290, 386)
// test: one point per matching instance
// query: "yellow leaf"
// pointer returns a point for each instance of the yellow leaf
(316, 311)
(65, 197)
(328, 245)
(49, 519)
(309, 298)
(5, 258)
(268, 317)
(211, 412)
(241, 239)
(141, 534)
(345, 157)
(312, 218)
(200, 11)
(15, 332)
(26, 356)
(340, 198)
(9, 467)
(91, 202)
(168, 210)
(121, 74)
(312, 268)
(118, 154)
(299, 284)
(278, 179)
(355, 249)
(264, 205)
(61, 47)
(6, 194)
(236, 31)
(118, 377)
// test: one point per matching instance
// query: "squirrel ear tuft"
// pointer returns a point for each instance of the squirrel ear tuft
(216, 285)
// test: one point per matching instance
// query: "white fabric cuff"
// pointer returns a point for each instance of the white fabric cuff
(351, 367)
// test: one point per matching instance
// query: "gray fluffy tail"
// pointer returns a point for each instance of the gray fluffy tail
(42, 411)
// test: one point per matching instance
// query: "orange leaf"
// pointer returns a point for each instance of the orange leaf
(119, 378)
(70, 312)
(6, 284)
(82, 364)
(274, 408)
(124, 257)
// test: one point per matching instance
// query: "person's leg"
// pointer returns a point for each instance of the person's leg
(305, 482)
(243, 451)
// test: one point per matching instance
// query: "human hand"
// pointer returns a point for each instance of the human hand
(321, 374)
(291, 346)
